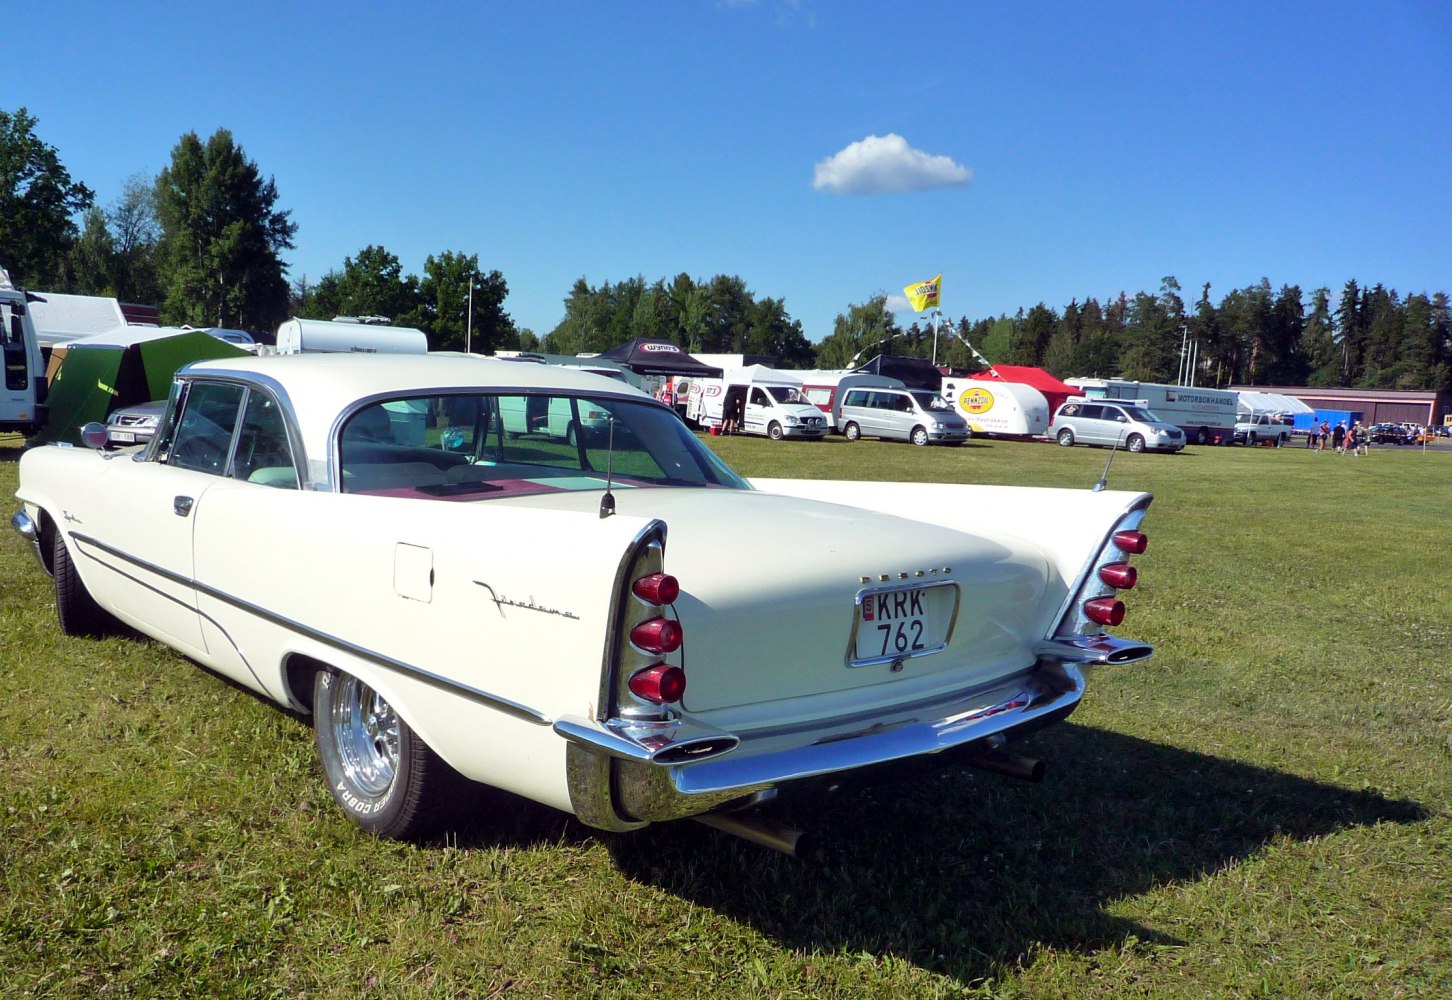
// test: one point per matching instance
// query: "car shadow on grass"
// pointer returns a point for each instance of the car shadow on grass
(966, 873)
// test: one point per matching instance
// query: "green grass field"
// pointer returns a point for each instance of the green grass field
(1263, 809)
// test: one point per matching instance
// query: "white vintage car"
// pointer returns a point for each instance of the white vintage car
(612, 623)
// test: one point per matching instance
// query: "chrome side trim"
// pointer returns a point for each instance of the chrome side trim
(30, 531)
(418, 673)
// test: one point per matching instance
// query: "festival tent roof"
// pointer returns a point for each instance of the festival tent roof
(1271, 402)
(658, 357)
(1054, 390)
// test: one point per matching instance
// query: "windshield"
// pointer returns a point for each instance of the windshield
(931, 401)
(476, 445)
(1143, 415)
(786, 394)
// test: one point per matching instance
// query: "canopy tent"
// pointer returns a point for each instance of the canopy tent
(1054, 390)
(94, 379)
(759, 373)
(916, 373)
(1272, 403)
(658, 357)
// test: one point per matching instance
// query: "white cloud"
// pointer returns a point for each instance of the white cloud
(899, 304)
(881, 164)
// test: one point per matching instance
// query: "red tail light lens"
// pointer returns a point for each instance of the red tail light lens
(659, 635)
(661, 683)
(1133, 542)
(1121, 576)
(1104, 611)
(658, 588)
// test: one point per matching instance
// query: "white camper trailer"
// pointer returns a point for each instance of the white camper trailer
(1006, 409)
(300, 336)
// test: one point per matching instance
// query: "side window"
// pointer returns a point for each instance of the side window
(263, 453)
(203, 437)
(1093, 411)
(758, 398)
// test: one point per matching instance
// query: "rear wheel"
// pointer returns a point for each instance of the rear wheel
(76, 609)
(852, 432)
(390, 782)
(1203, 437)
(1135, 443)
(1066, 437)
(774, 431)
(920, 436)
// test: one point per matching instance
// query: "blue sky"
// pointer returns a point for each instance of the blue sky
(1032, 152)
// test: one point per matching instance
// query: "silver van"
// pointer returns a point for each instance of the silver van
(915, 415)
(1131, 426)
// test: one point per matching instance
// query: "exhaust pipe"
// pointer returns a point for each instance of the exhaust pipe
(1011, 764)
(763, 832)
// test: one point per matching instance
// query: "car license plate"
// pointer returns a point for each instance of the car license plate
(899, 623)
(126, 437)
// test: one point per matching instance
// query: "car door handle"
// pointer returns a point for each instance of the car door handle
(181, 506)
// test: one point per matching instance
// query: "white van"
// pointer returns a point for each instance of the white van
(553, 416)
(1009, 409)
(774, 408)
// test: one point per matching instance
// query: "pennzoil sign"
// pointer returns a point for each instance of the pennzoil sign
(976, 401)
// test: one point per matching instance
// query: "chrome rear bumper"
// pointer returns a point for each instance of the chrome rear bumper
(621, 778)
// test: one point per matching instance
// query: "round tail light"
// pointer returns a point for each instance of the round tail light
(657, 588)
(1104, 611)
(1133, 542)
(658, 635)
(1121, 576)
(661, 683)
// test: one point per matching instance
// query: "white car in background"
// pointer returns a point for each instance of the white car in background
(616, 625)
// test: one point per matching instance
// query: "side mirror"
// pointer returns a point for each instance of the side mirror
(93, 435)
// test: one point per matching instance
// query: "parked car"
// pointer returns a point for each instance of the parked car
(1390, 434)
(129, 425)
(360, 538)
(915, 415)
(1106, 423)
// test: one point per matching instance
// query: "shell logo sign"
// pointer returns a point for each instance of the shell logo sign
(976, 401)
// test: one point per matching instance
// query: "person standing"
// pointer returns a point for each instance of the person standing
(1353, 439)
(1325, 433)
(1338, 438)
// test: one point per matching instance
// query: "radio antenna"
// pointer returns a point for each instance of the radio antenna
(1104, 476)
(607, 502)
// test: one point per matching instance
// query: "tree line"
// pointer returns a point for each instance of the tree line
(205, 239)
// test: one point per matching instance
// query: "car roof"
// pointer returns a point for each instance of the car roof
(319, 387)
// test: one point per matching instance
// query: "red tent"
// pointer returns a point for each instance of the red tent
(1054, 390)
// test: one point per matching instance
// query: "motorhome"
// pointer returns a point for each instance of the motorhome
(1004, 409)
(22, 402)
(302, 336)
(1207, 416)
(824, 389)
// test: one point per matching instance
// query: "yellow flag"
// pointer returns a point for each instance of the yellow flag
(924, 295)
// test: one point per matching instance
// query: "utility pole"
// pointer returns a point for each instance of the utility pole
(469, 323)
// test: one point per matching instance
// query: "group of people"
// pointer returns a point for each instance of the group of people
(1353, 440)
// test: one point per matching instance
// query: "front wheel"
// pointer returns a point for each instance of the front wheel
(1066, 438)
(75, 608)
(774, 431)
(919, 437)
(385, 778)
(1203, 437)
(1135, 443)
(852, 432)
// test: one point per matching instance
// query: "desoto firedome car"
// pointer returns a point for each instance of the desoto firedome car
(613, 623)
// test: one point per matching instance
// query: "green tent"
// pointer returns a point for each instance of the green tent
(94, 379)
